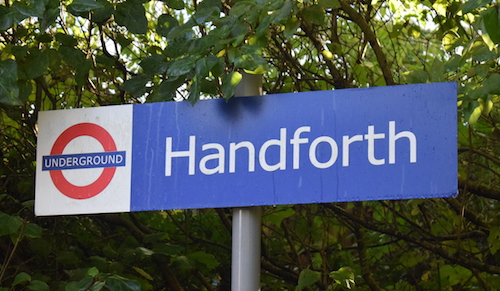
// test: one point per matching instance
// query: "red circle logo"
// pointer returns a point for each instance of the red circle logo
(107, 142)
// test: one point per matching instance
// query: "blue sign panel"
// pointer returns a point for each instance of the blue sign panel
(394, 142)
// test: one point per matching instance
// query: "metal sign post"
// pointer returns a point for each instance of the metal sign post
(245, 269)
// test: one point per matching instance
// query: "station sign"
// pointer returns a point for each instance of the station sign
(395, 142)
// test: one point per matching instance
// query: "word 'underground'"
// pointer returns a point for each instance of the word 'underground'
(296, 142)
(83, 161)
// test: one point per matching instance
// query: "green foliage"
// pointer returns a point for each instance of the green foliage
(81, 53)
(306, 278)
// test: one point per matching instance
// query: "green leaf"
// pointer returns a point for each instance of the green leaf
(33, 8)
(314, 14)
(283, 13)
(101, 15)
(76, 59)
(194, 91)
(329, 4)
(9, 91)
(473, 4)
(123, 41)
(21, 278)
(208, 87)
(66, 40)
(239, 31)
(116, 282)
(436, 73)
(455, 274)
(83, 284)
(92, 272)
(344, 277)
(208, 10)
(417, 76)
(483, 54)
(228, 83)
(132, 15)
(306, 278)
(154, 65)
(491, 23)
(9, 224)
(167, 90)
(204, 65)
(492, 84)
(7, 18)
(241, 7)
(291, 26)
(167, 249)
(52, 11)
(175, 4)
(32, 230)
(277, 217)
(36, 64)
(165, 24)
(208, 260)
(37, 285)
(136, 86)
(494, 239)
(453, 63)
(84, 5)
(181, 66)
(481, 70)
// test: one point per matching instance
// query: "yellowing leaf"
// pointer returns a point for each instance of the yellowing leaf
(259, 70)
(143, 273)
(475, 115)
(327, 54)
(440, 7)
(236, 78)
(451, 40)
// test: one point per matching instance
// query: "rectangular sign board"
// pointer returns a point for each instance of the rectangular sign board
(395, 142)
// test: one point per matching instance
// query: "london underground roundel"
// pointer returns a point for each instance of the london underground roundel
(82, 161)
(107, 142)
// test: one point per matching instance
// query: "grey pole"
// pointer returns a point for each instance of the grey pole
(245, 268)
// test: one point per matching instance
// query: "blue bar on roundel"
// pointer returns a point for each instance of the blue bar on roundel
(83, 161)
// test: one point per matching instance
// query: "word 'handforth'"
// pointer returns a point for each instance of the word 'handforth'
(299, 138)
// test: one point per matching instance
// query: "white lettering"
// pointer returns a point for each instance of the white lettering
(333, 156)
(232, 155)
(392, 143)
(281, 143)
(218, 156)
(296, 141)
(371, 137)
(346, 141)
(83, 161)
(215, 160)
(171, 154)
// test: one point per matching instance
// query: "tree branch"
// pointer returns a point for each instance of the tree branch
(456, 258)
(372, 39)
